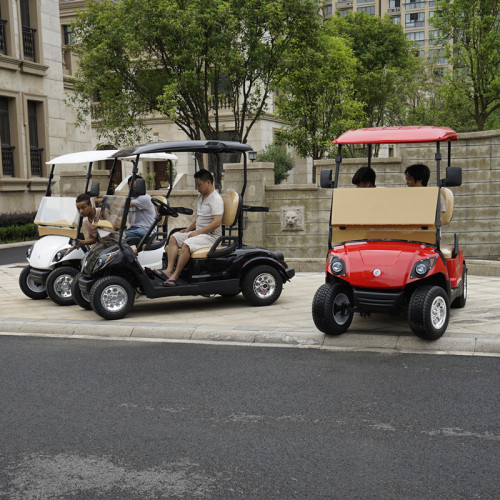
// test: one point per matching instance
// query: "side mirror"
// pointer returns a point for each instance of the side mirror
(94, 190)
(140, 187)
(453, 177)
(325, 179)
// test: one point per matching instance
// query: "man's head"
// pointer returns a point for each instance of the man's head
(417, 175)
(130, 179)
(364, 177)
(84, 205)
(204, 181)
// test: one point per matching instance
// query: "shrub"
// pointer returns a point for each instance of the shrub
(24, 232)
(17, 219)
(282, 159)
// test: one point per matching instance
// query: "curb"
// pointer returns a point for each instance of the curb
(281, 337)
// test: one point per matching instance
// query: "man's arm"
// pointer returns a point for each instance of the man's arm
(211, 227)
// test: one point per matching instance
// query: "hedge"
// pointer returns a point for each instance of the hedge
(17, 227)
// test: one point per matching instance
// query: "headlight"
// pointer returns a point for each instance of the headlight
(59, 255)
(422, 267)
(28, 252)
(104, 260)
(337, 265)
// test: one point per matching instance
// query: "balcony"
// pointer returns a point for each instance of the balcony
(393, 10)
(415, 24)
(29, 42)
(36, 161)
(414, 5)
(343, 4)
(8, 160)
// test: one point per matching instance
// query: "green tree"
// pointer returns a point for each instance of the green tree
(387, 65)
(282, 159)
(184, 59)
(316, 100)
(474, 82)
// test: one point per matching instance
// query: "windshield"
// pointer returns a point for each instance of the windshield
(110, 219)
(58, 211)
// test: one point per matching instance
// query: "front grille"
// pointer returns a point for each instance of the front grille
(377, 300)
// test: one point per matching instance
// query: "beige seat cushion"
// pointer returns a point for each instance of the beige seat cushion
(449, 200)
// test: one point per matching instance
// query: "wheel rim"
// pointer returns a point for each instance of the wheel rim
(339, 308)
(114, 298)
(264, 285)
(34, 287)
(62, 286)
(438, 312)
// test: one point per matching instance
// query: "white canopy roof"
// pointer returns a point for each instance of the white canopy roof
(83, 157)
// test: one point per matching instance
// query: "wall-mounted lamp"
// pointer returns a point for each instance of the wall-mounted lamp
(252, 155)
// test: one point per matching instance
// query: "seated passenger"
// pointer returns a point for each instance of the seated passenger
(90, 216)
(364, 177)
(141, 214)
(202, 232)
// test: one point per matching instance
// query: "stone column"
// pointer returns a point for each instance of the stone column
(259, 175)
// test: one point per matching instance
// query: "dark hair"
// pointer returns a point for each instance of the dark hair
(419, 172)
(130, 179)
(364, 174)
(204, 175)
(83, 197)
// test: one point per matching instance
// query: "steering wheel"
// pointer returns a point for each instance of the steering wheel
(164, 208)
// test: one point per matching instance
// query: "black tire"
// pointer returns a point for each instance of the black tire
(332, 308)
(29, 287)
(112, 297)
(81, 299)
(58, 285)
(460, 301)
(262, 285)
(429, 312)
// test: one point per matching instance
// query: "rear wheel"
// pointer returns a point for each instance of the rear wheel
(80, 298)
(112, 297)
(262, 285)
(58, 285)
(35, 291)
(460, 301)
(429, 312)
(332, 308)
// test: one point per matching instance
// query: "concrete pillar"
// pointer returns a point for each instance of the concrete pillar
(259, 175)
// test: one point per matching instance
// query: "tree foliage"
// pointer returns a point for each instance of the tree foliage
(386, 64)
(474, 83)
(316, 101)
(186, 60)
(282, 159)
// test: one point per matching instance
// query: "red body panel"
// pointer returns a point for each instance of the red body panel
(384, 264)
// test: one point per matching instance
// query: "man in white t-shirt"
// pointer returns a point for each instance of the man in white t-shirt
(202, 232)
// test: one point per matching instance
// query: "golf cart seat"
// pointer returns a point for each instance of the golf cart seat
(446, 216)
(232, 209)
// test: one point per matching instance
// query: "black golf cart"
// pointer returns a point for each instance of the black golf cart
(111, 273)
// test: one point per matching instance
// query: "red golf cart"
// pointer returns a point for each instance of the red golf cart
(385, 252)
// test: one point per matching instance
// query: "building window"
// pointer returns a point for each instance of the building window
(7, 147)
(67, 34)
(35, 150)
(394, 4)
(327, 10)
(3, 36)
(417, 36)
(396, 20)
(344, 12)
(29, 33)
(414, 4)
(434, 37)
(415, 20)
(369, 10)
(366, 1)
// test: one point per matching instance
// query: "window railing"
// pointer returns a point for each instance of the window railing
(3, 37)
(29, 42)
(8, 160)
(414, 5)
(415, 24)
(36, 161)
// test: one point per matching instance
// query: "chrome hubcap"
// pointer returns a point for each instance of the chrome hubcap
(264, 285)
(62, 286)
(340, 308)
(438, 312)
(114, 298)
(35, 287)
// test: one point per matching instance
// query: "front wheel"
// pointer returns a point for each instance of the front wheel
(262, 285)
(80, 298)
(58, 285)
(332, 308)
(112, 297)
(35, 291)
(429, 312)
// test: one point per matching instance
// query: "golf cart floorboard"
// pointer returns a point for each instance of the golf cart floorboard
(158, 289)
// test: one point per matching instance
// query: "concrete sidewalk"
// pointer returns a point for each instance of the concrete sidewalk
(474, 330)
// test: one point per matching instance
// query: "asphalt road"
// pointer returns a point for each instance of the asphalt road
(114, 419)
(13, 255)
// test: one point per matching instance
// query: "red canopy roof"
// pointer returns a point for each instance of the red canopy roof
(392, 135)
